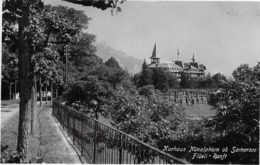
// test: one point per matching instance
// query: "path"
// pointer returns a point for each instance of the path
(8, 111)
(54, 147)
(51, 135)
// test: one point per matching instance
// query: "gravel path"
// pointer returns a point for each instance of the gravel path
(8, 111)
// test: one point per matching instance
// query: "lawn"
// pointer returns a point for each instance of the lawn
(198, 111)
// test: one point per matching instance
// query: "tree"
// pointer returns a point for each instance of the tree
(218, 80)
(89, 95)
(160, 80)
(172, 80)
(237, 119)
(184, 83)
(9, 70)
(112, 63)
(145, 77)
(116, 76)
(150, 119)
(256, 72)
(242, 72)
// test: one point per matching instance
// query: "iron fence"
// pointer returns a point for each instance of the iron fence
(103, 144)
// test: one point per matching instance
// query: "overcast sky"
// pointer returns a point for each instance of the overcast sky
(222, 35)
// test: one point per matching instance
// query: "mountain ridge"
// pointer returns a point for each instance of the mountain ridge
(105, 51)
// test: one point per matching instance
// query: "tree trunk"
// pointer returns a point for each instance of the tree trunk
(15, 83)
(34, 107)
(56, 91)
(25, 81)
(10, 91)
(40, 94)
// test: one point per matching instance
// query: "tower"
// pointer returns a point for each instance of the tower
(193, 59)
(154, 59)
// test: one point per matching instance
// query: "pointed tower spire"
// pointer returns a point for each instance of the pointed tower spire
(154, 51)
(178, 53)
(154, 59)
(193, 59)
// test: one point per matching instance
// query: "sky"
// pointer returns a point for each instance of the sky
(222, 35)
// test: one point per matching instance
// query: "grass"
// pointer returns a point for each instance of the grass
(199, 111)
(47, 146)
(52, 148)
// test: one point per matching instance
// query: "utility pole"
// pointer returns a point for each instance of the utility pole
(66, 54)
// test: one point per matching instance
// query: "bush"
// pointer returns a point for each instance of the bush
(147, 90)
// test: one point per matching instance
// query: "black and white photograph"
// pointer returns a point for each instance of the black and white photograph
(130, 82)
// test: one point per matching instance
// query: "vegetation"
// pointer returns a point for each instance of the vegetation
(132, 104)
(32, 32)
(159, 122)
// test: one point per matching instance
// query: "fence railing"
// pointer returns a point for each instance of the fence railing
(188, 97)
(103, 144)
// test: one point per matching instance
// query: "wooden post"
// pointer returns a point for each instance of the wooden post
(40, 91)
(15, 82)
(51, 92)
(46, 97)
(10, 91)
(56, 91)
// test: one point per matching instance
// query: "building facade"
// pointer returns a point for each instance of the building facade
(193, 69)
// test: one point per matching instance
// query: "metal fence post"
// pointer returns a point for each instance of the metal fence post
(82, 134)
(120, 148)
(73, 130)
(68, 120)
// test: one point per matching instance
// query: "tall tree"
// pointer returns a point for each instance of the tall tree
(242, 72)
(145, 75)
(112, 62)
(184, 83)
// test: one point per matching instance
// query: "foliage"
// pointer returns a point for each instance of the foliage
(47, 63)
(145, 76)
(115, 73)
(184, 83)
(100, 4)
(147, 90)
(8, 156)
(89, 94)
(112, 63)
(148, 119)
(238, 113)
(9, 65)
(243, 72)
(237, 119)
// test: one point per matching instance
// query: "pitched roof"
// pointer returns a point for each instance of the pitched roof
(154, 51)
(202, 67)
(186, 66)
(193, 69)
(195, 64)
(171, 65)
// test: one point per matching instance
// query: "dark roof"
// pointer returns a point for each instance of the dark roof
(186, 66)
(154, 52)
(193, 69)
(202, 67)
(179, 63)
(195, 64)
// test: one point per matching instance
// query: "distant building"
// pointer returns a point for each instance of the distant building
(193, 69)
